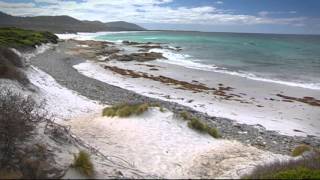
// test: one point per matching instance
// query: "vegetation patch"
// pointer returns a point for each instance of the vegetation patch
(83, 164)
(299, 150)
(185, 115)
(306, 167)
(125, 110)
(21, 38)
(195, 123)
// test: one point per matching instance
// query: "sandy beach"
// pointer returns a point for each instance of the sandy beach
(250, 101)
(160, 144)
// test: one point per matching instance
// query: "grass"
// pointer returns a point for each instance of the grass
(185, 115)
(20, 38)
(125, 110)
(297, 173)
(83, 164)
(306, 167)
(195, 123)
(299, 150)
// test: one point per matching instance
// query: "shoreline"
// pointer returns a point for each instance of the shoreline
(59, 65)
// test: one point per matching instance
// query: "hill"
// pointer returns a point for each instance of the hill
(63, 24)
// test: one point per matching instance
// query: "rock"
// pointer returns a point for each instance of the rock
(141, 57)
(130, 43)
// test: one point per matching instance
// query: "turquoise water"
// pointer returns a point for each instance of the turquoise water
(286, 59)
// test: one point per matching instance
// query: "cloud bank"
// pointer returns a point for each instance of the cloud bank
(143, 11)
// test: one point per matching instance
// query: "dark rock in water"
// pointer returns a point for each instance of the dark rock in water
(130, 43)
(141, 57)
(109, 50)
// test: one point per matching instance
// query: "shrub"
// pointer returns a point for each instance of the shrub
(196, 124)
(162, 109)
(19, 117)
(297, 173)
(125, 110)
(185, 115)
(21, 38)
(306, 167)
(213, 132)
(299, 150)
(10, 174)
(83, 164)
(110, 112)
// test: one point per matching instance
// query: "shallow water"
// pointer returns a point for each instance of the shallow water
(287, 59)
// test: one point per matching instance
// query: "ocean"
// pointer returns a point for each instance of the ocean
(292, 60)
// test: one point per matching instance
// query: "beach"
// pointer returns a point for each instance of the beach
(274, 105)
(77, 83)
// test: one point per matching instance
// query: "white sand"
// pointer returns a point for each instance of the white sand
(160, 144)
(277, 115)
(63, 103)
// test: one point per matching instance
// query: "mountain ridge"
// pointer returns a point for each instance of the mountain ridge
(64, 24)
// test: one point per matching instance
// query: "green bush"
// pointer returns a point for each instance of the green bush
(213, 132)
(299, 150)
(296, 173)
(83, 164)
(110, 112)
(185, 115)
(125, 110)
(16, 38)
(196, 124)
(306, 167)
(161, 109)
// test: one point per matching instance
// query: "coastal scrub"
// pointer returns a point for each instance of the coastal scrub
(195, 123)
(306, 167)
(21, 38)
(125, 110)
(299, 150)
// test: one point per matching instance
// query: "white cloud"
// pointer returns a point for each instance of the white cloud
(263, 13)
(219, 2)
(15, 5)
(141, 11)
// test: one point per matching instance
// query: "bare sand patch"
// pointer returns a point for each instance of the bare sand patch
(161, 144)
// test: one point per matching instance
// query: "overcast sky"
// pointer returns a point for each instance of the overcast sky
(265, 16)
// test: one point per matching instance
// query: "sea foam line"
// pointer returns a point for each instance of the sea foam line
(185, 61)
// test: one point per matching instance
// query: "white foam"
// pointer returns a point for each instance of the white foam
(90, 36)
(186, 61)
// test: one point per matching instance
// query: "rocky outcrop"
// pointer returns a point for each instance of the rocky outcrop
(140, 57)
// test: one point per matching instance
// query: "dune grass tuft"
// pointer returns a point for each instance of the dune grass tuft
(299, 150)
(125, 110)
(185, 115)
(83, 164)
(196, 124)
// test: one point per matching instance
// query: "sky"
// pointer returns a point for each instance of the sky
(255, 16)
